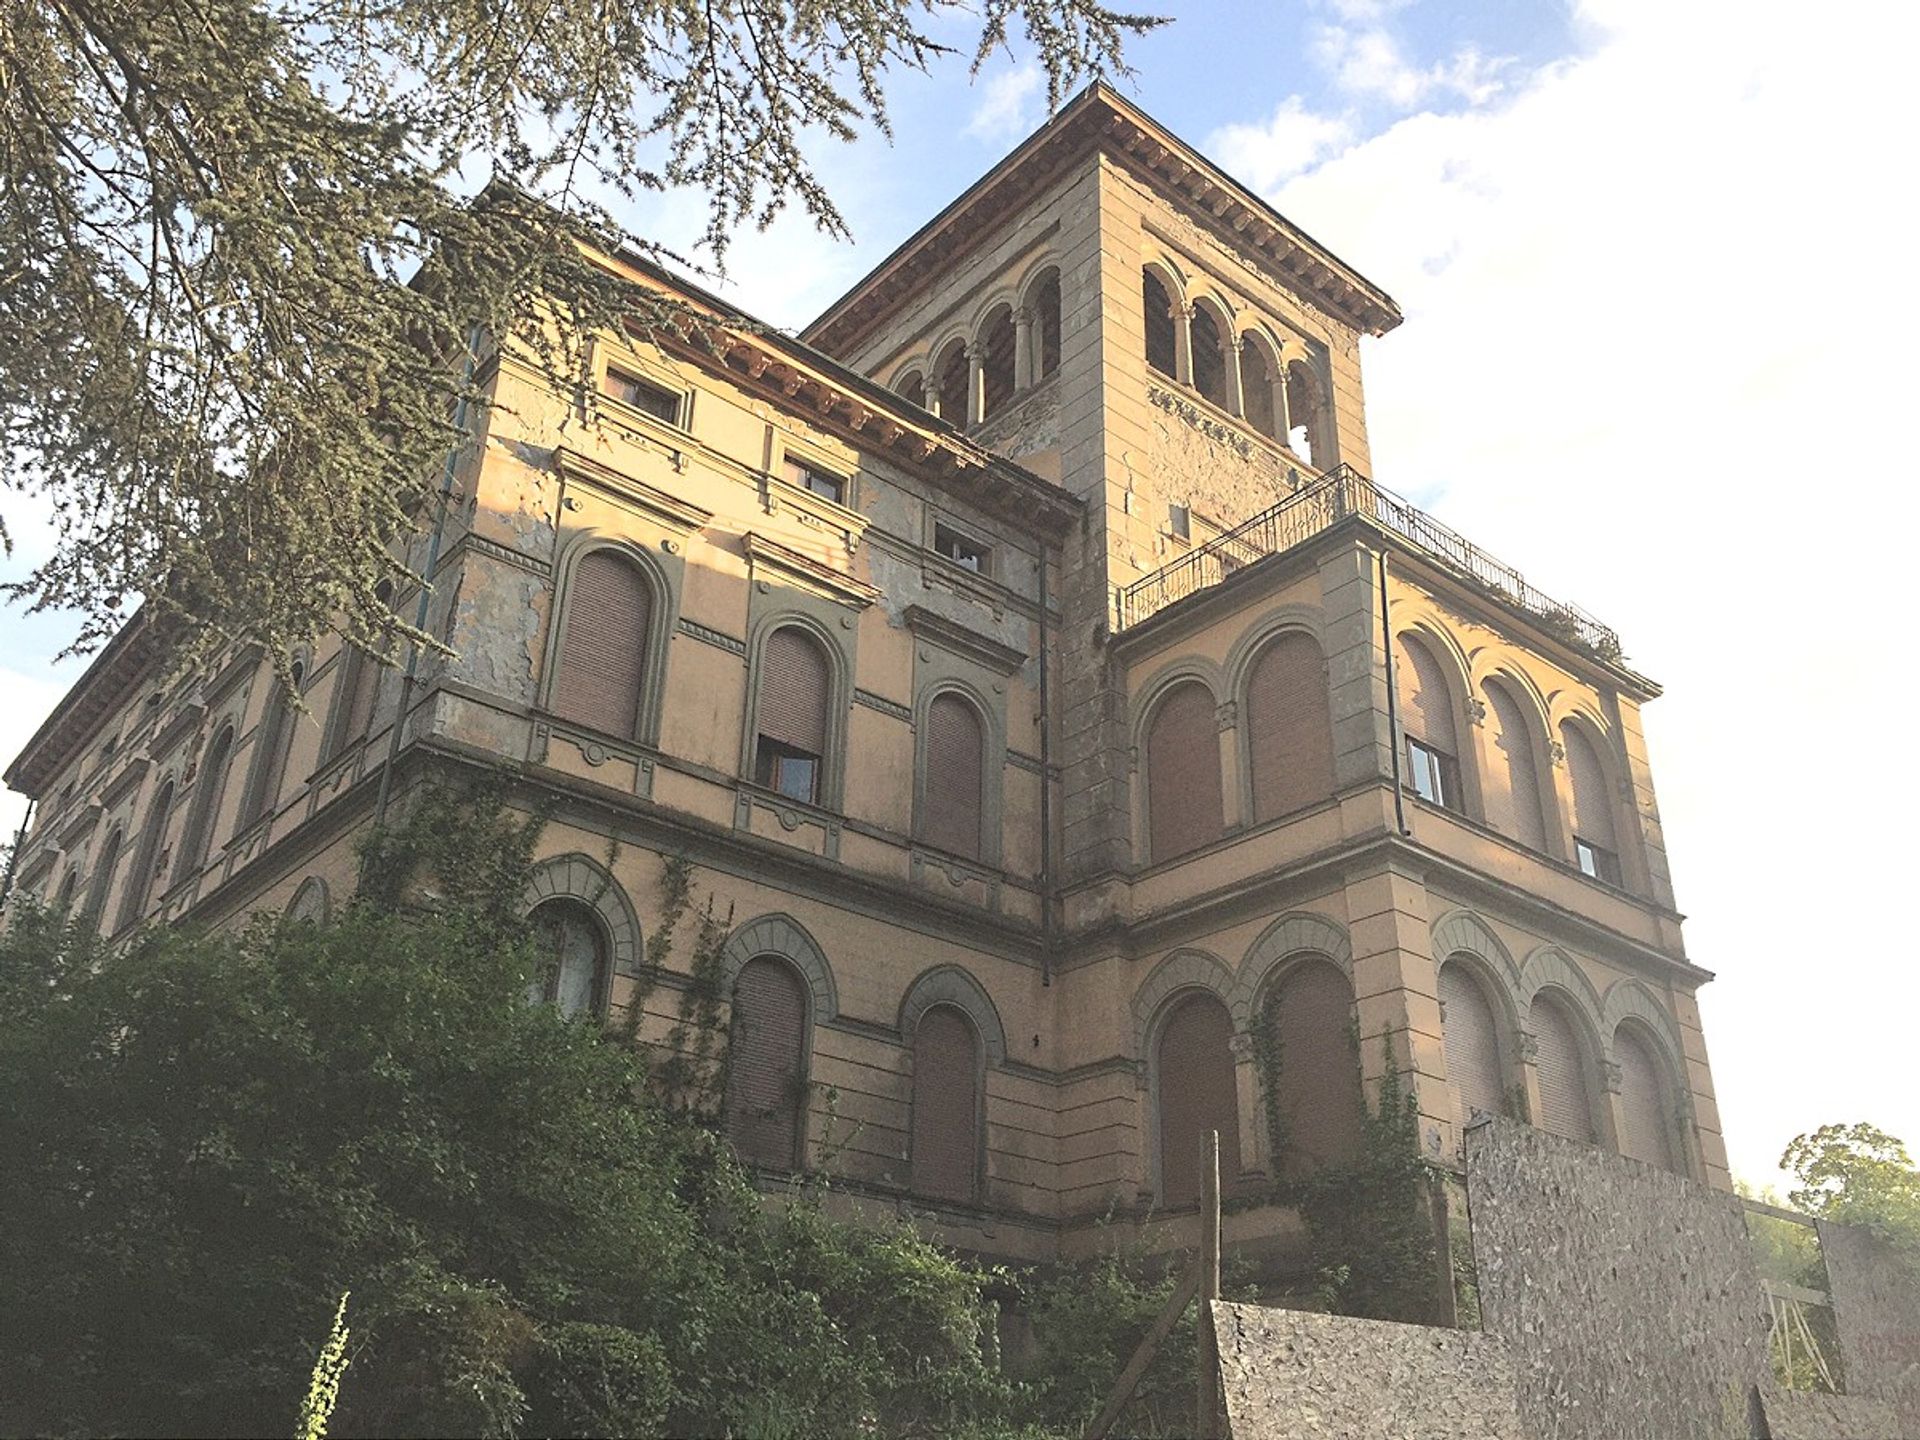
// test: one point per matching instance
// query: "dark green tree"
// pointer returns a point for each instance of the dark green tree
(1857, 1175)
(240, 255)
(209, 1137)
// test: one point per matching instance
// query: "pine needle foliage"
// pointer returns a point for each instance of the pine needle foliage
(244, 243)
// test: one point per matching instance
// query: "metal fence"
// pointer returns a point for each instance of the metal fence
(1340, 493)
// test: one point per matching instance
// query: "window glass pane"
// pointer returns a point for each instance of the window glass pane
(796, 776)
(569, 947)
(655, 400)
(828, 487)
(1585, 853)
(967, 553)
(1423, 772)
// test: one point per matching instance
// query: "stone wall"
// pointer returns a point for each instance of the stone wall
(1619, 1303)
(1628, 1295)
(1876, 1306)
(1288, 1375)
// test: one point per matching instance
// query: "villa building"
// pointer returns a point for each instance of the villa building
(1040, 689)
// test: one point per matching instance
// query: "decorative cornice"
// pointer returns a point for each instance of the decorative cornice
(803, 572)
(883, 705)
(494, 550)
(970, 644)
(667, 509)
(1099, 121)
(694, 630)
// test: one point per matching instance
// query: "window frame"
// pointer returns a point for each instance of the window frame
(675, 400)
(1596, 862)
(601, 1003)
(818, 619)
(1444, 772)
(610, 357)
(773, 759)
(943, 533)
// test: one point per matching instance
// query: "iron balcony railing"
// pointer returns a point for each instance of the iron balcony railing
(1342, 492)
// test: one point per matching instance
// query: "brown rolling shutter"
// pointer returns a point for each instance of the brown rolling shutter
(1513, 789)
(1198, 1093)
(1473, 1045)
(1162, 351)
(603, 644)
(956, 771)
(363, 679)
(1289, 727)
(103, 876)
(1645, 1130)
(793, 691)
(1426, 707)
(945, 1148)
(140, 882)
(1184, 808)
(765, 1084)
(1592, 807)
(1566, 1102)
(208, 792)
(1318, 1089)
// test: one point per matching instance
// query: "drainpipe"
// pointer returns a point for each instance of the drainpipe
(26, 822)
(1393, 700)
(412, 679)
(1046, 793)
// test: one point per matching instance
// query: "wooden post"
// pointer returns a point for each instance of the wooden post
(1206, 1401)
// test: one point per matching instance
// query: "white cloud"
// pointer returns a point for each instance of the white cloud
(1368, 63)
(1658, 352)
(1005, 109)
(1291, 140)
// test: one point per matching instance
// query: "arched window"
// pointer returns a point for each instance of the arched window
(1646, 1126)
(270, 752)
(1472, 1043)
(571, 959)
(912, 387)
(146, 860)
(1426, 717)
(766, 1063)
(600, 670)
(1594, 846)
(1198, 1093)
(955, 776)
(103, 868)
(1209, 357)
(208, 791)
(69, 884)
(1163, 350)
(950, 379)
(944, 1152)
(1184, 808)
(1566, 1100)
(1512, 790)
(1310, 1017)
(996, 343)
(1256, 388)
(1046, 325)
(1303, 412)
(1289, 726)
(358, 687)
(790, 715)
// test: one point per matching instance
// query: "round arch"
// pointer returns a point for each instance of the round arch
(1180, 971)
(1192, 667)
(1297, 935)
(312, 901)
(1629, 999)
(780, 934)
(660, 620)
(1269, 626)
(586, 881)
(1550, 965)
(951, 985)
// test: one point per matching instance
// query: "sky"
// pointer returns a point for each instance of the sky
(1655, 261)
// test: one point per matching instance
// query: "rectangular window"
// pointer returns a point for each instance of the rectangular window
(789, 770)
(820, 482)
(967, 553)
(655, 400)
(1433, 774)
(1597, 861)
(1180, 522)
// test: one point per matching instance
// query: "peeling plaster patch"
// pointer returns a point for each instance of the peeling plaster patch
(499, 615)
